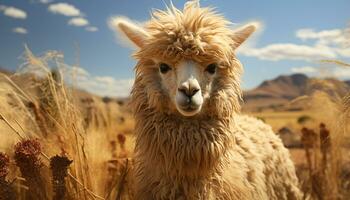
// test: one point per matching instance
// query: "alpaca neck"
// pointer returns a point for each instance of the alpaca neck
(179, 146)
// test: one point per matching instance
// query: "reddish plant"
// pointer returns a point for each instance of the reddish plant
(27, 159)
(121, 138)
(6, 190)
(4, 162)
(59, 168)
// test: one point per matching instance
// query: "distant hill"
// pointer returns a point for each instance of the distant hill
(347, 82)
(277, 92)
(285, 87)
(5, 71)
(270, 94)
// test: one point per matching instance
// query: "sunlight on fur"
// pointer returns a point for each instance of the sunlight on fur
(215, 154)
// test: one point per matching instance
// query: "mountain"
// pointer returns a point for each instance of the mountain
(285, 87)
(276, 93)
(347, 82)
(5, 71)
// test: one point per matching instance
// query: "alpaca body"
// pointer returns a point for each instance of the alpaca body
(248, 162)
(191, 142)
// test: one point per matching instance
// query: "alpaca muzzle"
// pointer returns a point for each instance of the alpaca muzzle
(189, 98)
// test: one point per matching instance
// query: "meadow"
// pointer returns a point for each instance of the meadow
(57, 142)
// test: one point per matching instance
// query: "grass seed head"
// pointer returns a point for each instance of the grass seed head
(27, 157)
(308, 137)
(59, 167)
(4, 165)
(121, 139)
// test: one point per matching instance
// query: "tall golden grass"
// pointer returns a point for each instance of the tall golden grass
(328, 165)
(53, 136)
(328, 160)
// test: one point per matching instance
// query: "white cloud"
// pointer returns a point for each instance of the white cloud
(345, 52)
(311, 34)
(99, 85)
(324, 71)
(78, 71)
(304, 70)
(91, 28)
(20, 30)
(45, 1)
(328, 44)
(332, 37)
(78, 21)
(107, 86)
(105, 79)
(13, 12)
(342, 73)
(64, 9)
(69, 10)
(283, 51)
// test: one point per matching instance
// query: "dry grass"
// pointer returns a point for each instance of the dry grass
(327, 164)
(45, 126)
(280, 119)
(324, 166)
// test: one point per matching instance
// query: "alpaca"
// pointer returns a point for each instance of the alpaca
(191, 141)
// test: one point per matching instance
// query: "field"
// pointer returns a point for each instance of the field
(279, 119)
(311, 158)
(61, 143)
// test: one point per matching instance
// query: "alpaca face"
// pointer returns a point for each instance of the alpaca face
(187, 84)
(186, 60)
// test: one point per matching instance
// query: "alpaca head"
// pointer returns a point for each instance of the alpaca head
(186, 60)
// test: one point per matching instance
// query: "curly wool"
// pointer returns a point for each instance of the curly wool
(217, 154)
(211, 159)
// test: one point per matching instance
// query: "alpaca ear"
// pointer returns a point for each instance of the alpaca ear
(241, 34)
(135, 33)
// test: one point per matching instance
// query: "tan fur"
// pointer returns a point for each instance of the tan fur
(217, 154)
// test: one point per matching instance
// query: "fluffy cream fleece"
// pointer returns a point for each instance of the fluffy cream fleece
(217, 154)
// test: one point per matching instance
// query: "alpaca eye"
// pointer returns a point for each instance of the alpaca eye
(211, 69)
(164, 68)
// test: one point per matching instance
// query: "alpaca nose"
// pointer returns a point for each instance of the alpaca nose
(189, 88)
(188, 92)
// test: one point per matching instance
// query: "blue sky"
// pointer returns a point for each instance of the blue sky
(295, 35)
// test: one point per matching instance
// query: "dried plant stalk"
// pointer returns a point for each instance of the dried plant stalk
(4, 162)
(27, 159)
(320, 186)
(325, 143)
(40, 119)
(122, 178)
(53, 111)
(59, 167)
(7, 192)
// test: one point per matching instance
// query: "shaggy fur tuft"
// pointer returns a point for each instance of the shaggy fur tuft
(216, 154)
(195, 33)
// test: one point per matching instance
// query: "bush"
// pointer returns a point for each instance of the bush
(303, 119)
